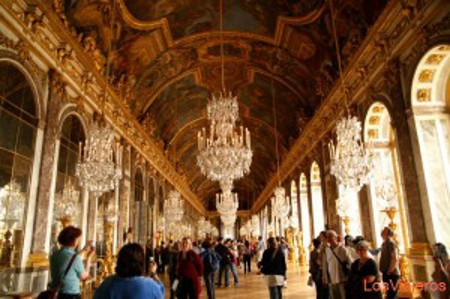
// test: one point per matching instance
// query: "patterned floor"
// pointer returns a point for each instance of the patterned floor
(253, 286)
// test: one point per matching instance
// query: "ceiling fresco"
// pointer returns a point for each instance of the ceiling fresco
(165, 57)
(188, 17)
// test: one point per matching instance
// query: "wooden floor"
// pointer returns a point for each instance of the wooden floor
(253, 286)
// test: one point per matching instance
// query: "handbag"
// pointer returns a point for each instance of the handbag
(52, 293)
(344, 265)
(310, 281)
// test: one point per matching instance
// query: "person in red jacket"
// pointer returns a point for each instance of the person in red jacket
(190, 270)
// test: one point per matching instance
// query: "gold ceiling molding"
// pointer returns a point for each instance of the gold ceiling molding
(40, 25)
(163, 25)
(379, 47)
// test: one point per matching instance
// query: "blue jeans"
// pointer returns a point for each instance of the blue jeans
(234, 272)
(224, 269)
(209, 283)
(275, 292)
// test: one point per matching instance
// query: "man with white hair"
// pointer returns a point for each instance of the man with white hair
(338, 262)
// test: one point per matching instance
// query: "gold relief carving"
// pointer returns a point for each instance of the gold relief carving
(373, 133)
(374, 120)
(419, 249)
(426, 76)
(435, 59)
(378, 109)
(444, 48)
(90, 46)
(424, 95)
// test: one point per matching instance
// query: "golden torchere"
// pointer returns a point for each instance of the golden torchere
(108, 261)
(346, 220)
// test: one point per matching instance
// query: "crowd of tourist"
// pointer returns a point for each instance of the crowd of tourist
(340, 268)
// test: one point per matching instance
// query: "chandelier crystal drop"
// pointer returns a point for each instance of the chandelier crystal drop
(173, 207)
(350, 162)
(97, 169)
(68, 202)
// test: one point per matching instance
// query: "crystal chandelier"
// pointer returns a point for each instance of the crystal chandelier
(344, 206)
(225, 152)
(350, 161)
(205, 228)
(227, 204)
(385, 191)
(96, 169)
(173, 207)
(12, 201)
(256, 227)
(67, 202)
(280, 203)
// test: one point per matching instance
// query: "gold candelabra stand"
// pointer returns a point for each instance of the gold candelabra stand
(301, 249)
(108, 261)
(346, 221)
(65, 221)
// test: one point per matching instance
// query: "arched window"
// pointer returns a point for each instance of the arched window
(430, 104)
(68, 192)
(138, 198)
(317, 200)
(294, 205)
(380, 138)
(18, 128)
(304, 210)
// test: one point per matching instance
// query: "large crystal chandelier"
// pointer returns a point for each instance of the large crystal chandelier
(97, 169)
(227, 204)
(280, 203)
(205, 228)
(225, 151)
(173, 207)
(67, 203)
(350, 161)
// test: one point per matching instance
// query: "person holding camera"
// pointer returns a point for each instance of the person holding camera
(66, 266)
(130, 280)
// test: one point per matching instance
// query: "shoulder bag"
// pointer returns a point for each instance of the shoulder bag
(52, 293)
(344, 265)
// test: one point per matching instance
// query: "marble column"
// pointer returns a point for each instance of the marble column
(42, 225)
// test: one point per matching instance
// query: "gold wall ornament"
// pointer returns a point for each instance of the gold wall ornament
(108, 261)
(424, 95)
(435, 59)
(426, 76)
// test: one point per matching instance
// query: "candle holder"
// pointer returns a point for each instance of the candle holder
(65, 221)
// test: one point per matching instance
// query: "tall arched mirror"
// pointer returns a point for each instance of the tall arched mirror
(18, 129)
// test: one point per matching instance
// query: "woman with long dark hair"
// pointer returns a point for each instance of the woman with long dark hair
(129, 280)
(273, 266)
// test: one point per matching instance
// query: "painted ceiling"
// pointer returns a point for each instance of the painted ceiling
(165, 58)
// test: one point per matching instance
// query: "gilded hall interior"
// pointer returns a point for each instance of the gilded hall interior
(148, 69)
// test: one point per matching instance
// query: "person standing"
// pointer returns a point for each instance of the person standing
(273, 266)
(364, 275)
(247, 257)
(189, 269)
(260, 246)
(225, 260)
(325, 293)
(174, 252)
(314, 268)
(338, 260)
(233, 263)
(441, 273)
(149, 255)
(129, 280)
(211, 261)
(389, 263)
(69, 238)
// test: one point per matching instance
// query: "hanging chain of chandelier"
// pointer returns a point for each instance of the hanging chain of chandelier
(224, 151)
(351, 163)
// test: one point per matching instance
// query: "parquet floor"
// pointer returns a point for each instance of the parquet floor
(253, 286)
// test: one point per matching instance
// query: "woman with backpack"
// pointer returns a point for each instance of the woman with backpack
(189, 271)
(211, 261)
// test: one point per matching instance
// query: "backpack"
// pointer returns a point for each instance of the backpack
(211, 261)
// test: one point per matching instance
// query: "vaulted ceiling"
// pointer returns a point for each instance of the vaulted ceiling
(165, 58)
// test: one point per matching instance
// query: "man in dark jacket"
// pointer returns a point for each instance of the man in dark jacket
(226, 259)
